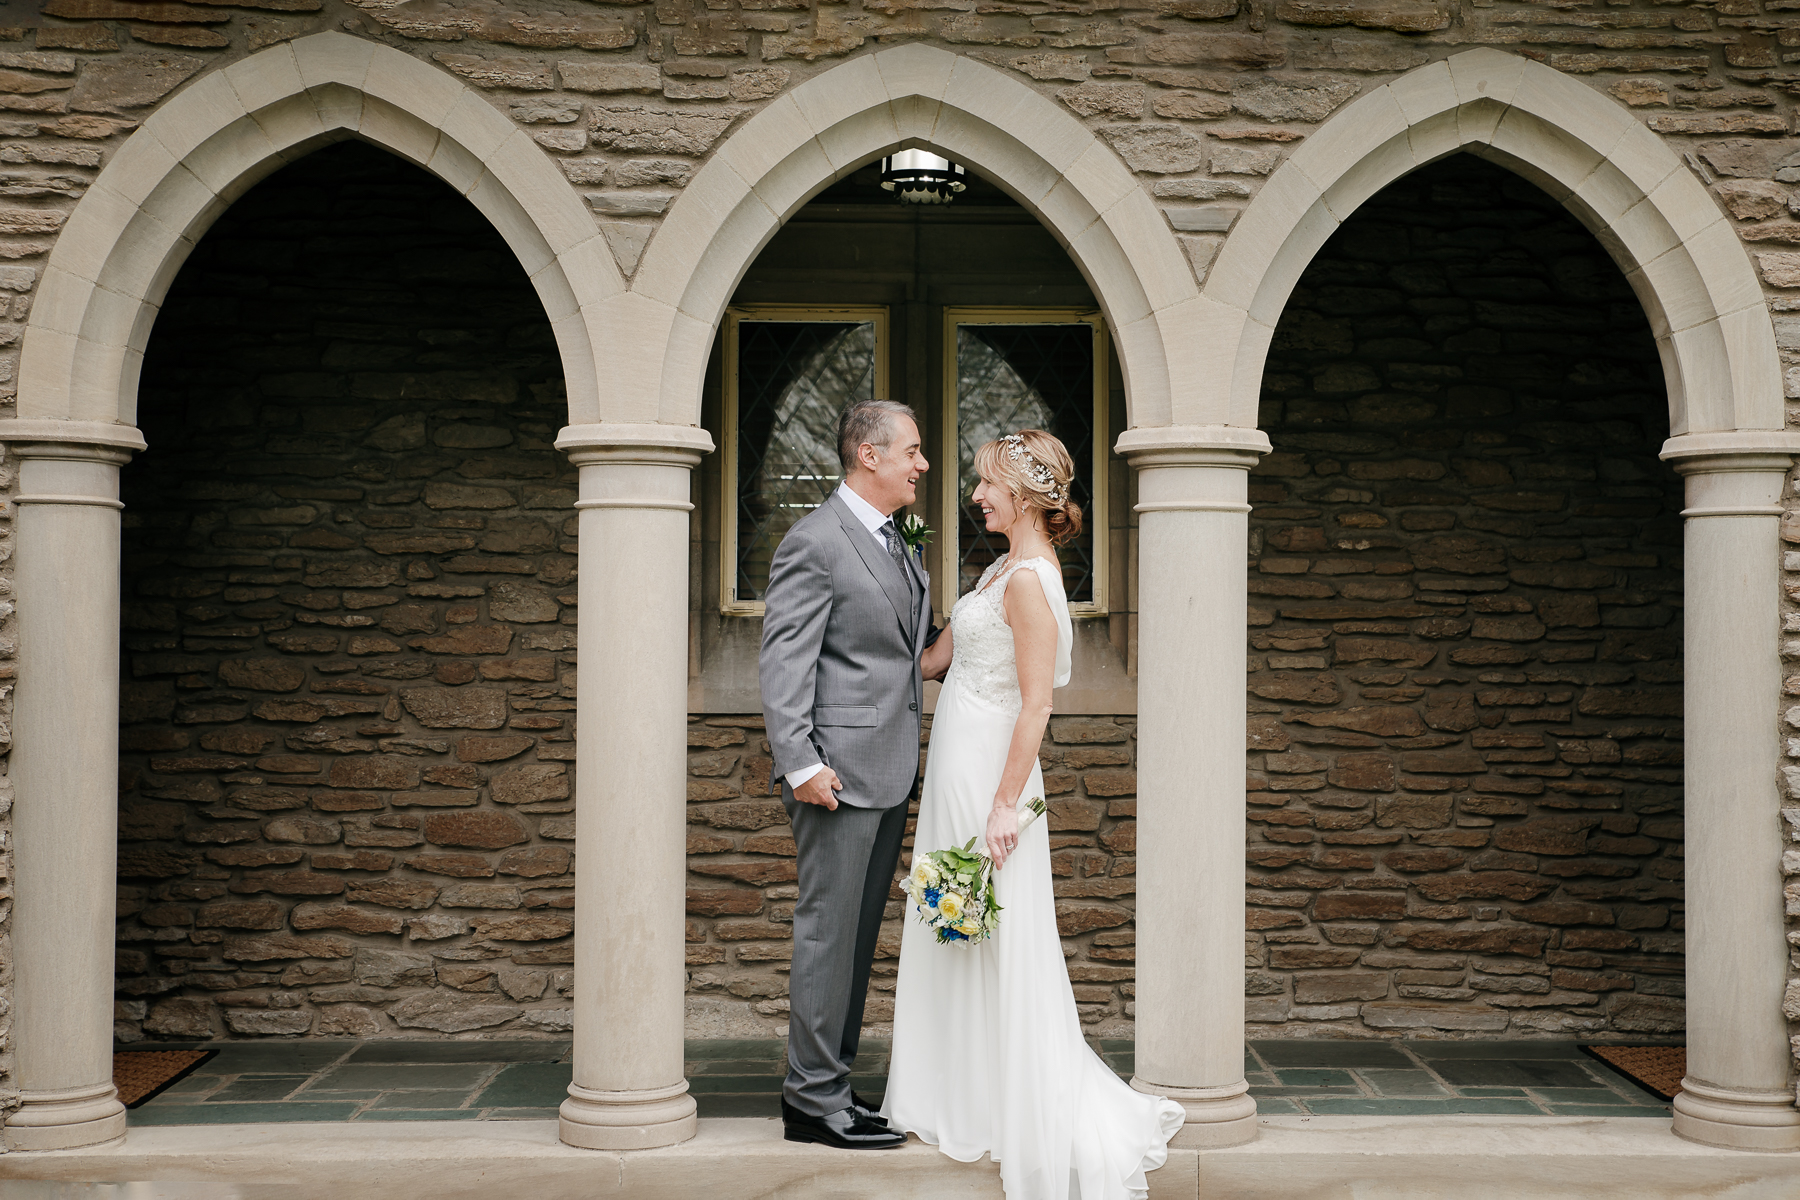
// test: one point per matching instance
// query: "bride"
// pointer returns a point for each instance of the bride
(988, 1055)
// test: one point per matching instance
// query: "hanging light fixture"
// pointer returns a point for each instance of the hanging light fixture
(921, 177)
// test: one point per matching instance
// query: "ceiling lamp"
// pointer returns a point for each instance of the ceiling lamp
(921, 177)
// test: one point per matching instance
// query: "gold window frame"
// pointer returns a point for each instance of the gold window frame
(877, 315)
(946, 555)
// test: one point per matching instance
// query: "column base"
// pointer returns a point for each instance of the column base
(64, 1120)
(1714, 1116)
(1216, 1116)
(639, 1120)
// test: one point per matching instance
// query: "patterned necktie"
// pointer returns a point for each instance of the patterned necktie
(896, 548)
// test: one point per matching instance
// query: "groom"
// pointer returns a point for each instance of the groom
(846, 615)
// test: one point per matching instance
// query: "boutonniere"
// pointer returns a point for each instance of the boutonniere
(916, 533)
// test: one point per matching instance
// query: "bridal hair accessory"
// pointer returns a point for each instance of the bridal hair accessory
(1035, 470)
(953, 890)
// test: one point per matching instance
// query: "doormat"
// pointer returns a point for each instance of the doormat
(1656, 1069)
(141, 1074)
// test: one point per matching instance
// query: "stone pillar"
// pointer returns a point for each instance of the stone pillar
(1739, 1090)
(1193, 541)
(630, 785)
(65, 777)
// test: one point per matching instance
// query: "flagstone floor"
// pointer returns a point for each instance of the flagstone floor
(498, 1080)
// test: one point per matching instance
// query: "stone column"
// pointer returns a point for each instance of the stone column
(65, 778)
(1739, 1090)
(1193, 541)
(630, 785)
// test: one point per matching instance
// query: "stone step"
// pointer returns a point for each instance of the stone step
(1321, 1158)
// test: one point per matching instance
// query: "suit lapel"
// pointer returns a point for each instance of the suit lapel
(880, 566)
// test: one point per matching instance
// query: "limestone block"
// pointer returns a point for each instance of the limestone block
(481, 829)
(449, 1014)
(1409, 16)
(1112, 100)
(524, 74)
(1155, 149)
(131, 80)
(659, 131)
(1310, 100)
(629, 204)
(609, 77)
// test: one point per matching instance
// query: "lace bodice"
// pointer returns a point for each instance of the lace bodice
(982, 662)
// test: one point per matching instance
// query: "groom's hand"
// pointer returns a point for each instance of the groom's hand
(820, 790)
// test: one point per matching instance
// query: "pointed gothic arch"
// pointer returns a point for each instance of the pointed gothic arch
(1677, 249)
(128, 236)
(910, 96)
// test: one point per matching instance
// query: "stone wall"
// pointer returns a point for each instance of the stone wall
(1465, 609)
(1201, 97)
(348, 627)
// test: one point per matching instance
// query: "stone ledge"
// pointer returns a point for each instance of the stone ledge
(1470, 1157)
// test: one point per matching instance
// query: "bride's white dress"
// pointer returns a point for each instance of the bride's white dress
(988, 1054)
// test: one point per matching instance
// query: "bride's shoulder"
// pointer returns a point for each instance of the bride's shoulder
(1045, 571)
(1035, 585)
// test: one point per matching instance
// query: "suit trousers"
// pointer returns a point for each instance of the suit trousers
(847, 859)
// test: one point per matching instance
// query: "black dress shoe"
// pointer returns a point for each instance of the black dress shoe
(870, 1112)
(845, 1129)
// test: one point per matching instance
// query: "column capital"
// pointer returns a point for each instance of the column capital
(619, 442)
(98, 441)
(1731, 450)
(1230, 446)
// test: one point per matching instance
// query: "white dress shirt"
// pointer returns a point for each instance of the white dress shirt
(872, 519)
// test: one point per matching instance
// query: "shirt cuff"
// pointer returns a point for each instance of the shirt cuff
(796, 778)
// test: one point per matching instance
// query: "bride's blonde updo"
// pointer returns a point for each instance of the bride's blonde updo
(1035, 466)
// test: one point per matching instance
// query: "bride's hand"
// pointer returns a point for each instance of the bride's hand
(1002, 833)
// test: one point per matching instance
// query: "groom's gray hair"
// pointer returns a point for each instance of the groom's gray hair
(870, 421)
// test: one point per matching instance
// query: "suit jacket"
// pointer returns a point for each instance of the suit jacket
(840, 658)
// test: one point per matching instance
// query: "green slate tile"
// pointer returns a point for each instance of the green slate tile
(737, 1105)
(282, 1058)
(1489, 1093)
(1511, 1050)
(1607, 1110)
(528, 1086)
(1363, 1107)
(763, 1050)
(240, 1114)
(521, 1114)
(771, 1068)
(1332, 1054)
(735, 1083)
(1259, 1093)
(1580, 1095)
(421, 1114)
(387, 1077)
(1531, 1073)
(512, 1050)
(1394, 1082)
(255, 1088)
(1274, 1106)
(447, 1098)
(1312, 1077)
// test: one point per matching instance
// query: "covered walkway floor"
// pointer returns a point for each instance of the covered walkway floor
(315, 1081)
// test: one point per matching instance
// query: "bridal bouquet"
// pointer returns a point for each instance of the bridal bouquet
(953, 890)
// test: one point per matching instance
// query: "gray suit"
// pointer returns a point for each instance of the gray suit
(842, 632)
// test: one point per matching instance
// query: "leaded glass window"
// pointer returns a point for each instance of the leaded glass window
(789, 374)
(1020, 369)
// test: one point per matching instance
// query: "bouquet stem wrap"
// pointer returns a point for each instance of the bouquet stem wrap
(953, 890)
